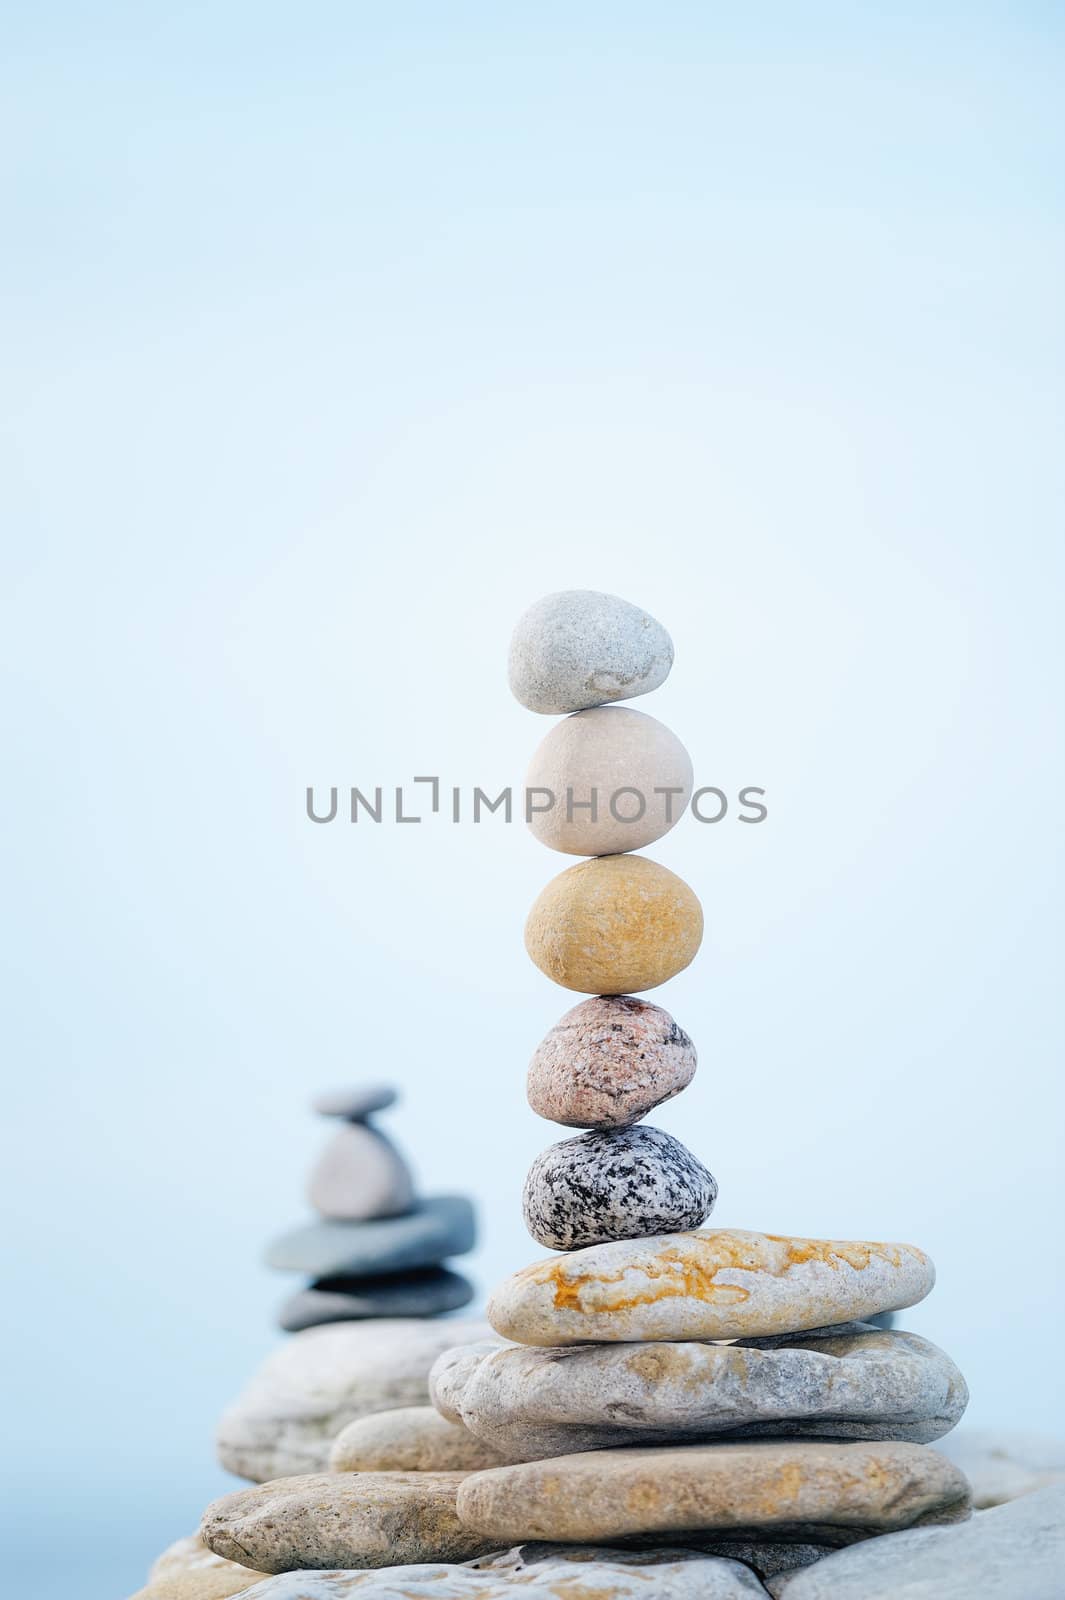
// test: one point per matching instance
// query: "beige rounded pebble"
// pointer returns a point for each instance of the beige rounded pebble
(607, 780)
(410, 1439)
(830, 1492)
(608, 1062)
(359, 1175)
(614, 925)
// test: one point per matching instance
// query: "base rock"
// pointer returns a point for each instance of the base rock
(187, 1570)
(534, 1572)
(1013, 1552)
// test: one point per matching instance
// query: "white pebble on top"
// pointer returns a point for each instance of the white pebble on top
(580, 648)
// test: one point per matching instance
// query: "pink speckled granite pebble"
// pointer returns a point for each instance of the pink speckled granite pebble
(608, 1062)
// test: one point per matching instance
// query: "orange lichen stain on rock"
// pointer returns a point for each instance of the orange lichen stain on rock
(643, 1497)
(657, 1363)
(781, 1491)
(573, 1589)
(834, 1252)
(672, 1274)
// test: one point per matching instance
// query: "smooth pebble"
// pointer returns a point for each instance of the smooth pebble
(607, 780)
(608, 1062)
(626, 1183)
(360, 1175)
(356, 1103)
(614, 925)
(581, 648)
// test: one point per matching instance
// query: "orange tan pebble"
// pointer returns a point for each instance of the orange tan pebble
(614, 925)
(713, 1283)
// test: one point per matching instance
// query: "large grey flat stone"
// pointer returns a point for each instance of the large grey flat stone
(533, 1572)
(533, 1403)
(1013, 1552)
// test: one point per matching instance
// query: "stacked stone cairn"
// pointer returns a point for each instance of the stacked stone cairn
(773, 1422)
(659, 1408)
(375, 1248)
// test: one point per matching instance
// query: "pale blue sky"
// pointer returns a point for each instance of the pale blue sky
(336, 335)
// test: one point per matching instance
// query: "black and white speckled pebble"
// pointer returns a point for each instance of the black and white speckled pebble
(624, 1184)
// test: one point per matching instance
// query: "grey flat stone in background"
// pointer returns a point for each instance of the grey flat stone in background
(425, 1293)
(1013, 1552)
(317, 1382)
(355, 1104)
(582, 648)
(437, 1228)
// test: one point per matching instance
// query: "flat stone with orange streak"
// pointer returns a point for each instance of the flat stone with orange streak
(714, 1283)
(813, 1492)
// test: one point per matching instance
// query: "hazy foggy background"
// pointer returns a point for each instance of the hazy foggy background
(337, 336)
